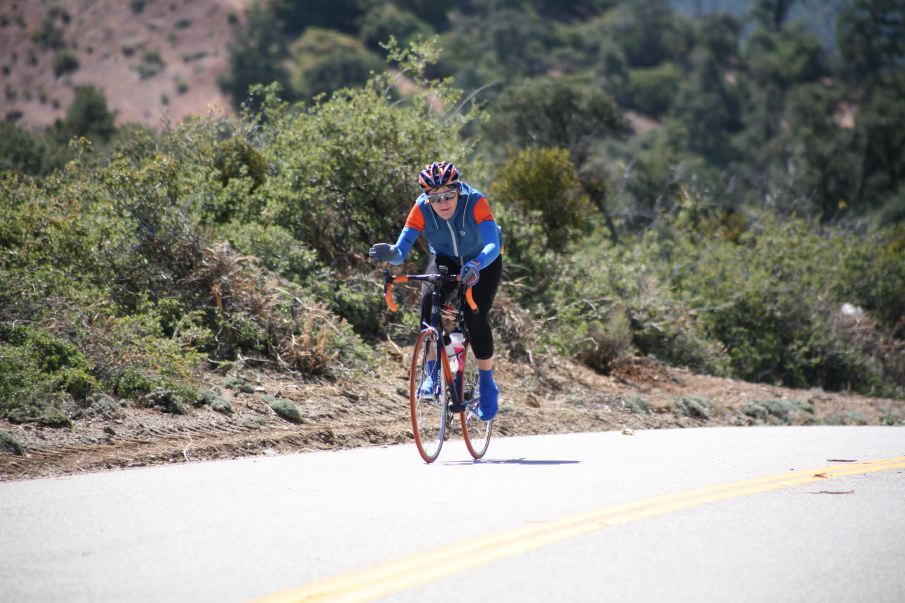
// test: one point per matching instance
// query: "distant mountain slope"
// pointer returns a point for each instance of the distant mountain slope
(151, 57)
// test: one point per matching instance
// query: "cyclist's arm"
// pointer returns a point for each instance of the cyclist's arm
(491, 237)
(489, 232)
(414, 226)
(407, 238)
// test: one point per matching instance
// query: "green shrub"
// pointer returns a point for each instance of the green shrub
(39, 375)
(696, 407)
(278, 250)
(88, 116)
(221, 405)
(651, 90)
(384, 20)
(284, 408)
(9, 444)
(607, 284)
(325, 61)
(849, 417)
(79, 383)
(872, 274)
(777, 411)
(151, 64)
(544, 185)
(133, 383)
(235, 157)
(22, 151)
(600, 344)
(637, 404)
(65, 62)
(165, 400)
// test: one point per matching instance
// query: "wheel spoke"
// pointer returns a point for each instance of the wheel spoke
(475, 431)
(427, 404)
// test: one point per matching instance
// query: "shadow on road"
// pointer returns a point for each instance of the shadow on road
(521, 461)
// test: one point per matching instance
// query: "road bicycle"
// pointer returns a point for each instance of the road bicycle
(453, 389)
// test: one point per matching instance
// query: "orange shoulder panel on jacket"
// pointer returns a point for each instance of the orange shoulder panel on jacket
(482, 211)
(415, 219)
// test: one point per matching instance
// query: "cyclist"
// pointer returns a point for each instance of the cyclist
(462, 235)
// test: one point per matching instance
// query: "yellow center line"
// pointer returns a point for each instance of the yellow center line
(381, 580)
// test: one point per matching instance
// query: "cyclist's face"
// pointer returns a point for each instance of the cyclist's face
(444, 207)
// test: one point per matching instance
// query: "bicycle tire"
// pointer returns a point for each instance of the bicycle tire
(475, 431)
(428, 413)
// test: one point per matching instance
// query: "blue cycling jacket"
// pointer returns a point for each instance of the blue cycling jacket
(470, 234)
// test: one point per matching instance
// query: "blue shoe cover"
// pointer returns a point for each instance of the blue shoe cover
(490, 393)
(427, 386)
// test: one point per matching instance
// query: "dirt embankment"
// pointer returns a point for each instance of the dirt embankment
(551, 396)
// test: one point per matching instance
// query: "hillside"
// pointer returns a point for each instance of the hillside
(151, 58)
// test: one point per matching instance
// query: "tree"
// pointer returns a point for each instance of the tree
(87, 116)
(20, 151)
(646, 30)
(255, 56)
(880, 127)
(295, 16)
(384, 20)
(556, 112)
(784, 57)
(709, 108)
(871, 37)
(823, 165)
(324, 61)
(544, 185)
(771, 14)
(577, 9)
(500, 41)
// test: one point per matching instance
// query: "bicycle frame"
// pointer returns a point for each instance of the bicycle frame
(436, 322)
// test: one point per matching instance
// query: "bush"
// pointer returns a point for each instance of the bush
(384, 20)
(39, 374)
(601, 344)
(151, 64)
(637, 405)
(21, 151)
(696, 407)
(652, 90)
(767, 300)
(611, 285)
(543, 184)
(326, 61)
(9, 444)
(65, 62)
(285, 409)
(87, 116)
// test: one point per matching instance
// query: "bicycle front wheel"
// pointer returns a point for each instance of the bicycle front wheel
(475, 431)
(427, 395)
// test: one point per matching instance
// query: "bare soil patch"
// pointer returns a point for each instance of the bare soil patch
(551, 396)
(153, 59)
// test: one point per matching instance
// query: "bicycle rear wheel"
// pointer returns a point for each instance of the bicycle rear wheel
(475, 431)
(428, 408)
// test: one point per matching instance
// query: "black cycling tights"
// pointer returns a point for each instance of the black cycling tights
(484, 292)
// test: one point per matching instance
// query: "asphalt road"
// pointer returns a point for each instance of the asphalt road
(670, 515)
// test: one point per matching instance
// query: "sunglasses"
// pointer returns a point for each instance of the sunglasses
(448, 196)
